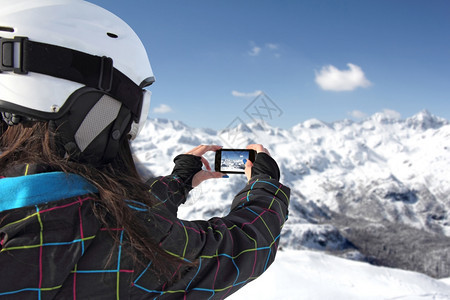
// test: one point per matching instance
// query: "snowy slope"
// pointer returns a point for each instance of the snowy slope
(306, 275)
(376, 190)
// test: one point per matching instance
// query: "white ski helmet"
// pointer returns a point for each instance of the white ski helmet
(78, 66)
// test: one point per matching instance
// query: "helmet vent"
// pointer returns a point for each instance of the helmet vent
(112, 35)
(7, 29)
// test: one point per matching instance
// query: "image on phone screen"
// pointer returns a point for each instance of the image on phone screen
(232, 161)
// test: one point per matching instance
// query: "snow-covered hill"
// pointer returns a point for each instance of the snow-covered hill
(376, 190)
(306, 275)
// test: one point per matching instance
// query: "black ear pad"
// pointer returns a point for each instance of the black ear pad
(3, 127)
(92, 127)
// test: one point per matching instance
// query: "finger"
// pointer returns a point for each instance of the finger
(210, 175)
(219, 175)
(208, 148)
(202, 149)
(206, 163)
(205, 175)
(258, 148)
(193, 149)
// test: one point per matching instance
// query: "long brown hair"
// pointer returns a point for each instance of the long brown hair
(116, 181)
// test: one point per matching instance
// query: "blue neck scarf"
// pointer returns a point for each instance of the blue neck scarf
(16, 192)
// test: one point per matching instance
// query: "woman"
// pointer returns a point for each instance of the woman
(76, 221)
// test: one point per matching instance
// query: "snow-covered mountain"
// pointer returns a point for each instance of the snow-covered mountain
(376, 191)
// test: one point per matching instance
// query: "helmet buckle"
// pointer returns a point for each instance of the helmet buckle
(8, 51)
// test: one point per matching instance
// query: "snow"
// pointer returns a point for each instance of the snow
(316, 276)
(376, 174)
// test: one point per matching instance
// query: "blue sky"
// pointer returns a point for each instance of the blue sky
(324, 59)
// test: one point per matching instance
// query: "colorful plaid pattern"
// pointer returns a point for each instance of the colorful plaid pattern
(59, 250)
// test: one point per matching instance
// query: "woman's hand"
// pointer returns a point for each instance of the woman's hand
(248, 165)
(204, 175)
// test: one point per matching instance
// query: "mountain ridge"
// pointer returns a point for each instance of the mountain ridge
(380, 172)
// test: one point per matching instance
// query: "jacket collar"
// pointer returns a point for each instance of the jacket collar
(16, 192)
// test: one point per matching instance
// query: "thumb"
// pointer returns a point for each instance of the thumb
(203, 175)
(248, 168)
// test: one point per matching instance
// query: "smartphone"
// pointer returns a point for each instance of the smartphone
(232, 160)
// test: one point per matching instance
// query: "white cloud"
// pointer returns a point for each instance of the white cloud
(358, 114)
(246, 95)
(162, 109)
(272, 46)
(392, 114)
(254, 51)
(257, 50)
(330, 78)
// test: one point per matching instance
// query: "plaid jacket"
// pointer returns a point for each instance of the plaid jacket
(53, 247)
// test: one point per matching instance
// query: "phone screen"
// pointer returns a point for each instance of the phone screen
(232, 160)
